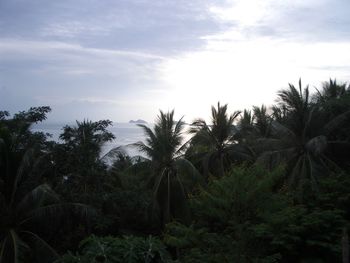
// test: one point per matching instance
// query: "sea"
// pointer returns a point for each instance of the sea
(125, 135)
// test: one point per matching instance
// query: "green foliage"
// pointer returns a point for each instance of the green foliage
(254, 125)
(29, 209)
(170, 171)
(24, 200)
(125, 211)
(242, 218)
(16, 130)
(215, 143)
(128, 249)
(87, 135)
(79, 171)
(225, 214)
(296, 211)
(80, 152)
(304, 138)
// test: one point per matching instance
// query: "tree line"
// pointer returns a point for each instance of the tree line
(267, 184)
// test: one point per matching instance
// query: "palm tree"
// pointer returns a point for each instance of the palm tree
(253, 125)
(86, 139)
(300, 137)
(79, 156)
(27, 205)
(262, 121)
(245, 127)
(331, 90)
(172, 174)
(19, 127)
(26, 211)
(334, 100)
(216, 141)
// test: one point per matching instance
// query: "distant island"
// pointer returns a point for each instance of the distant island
(139, 121)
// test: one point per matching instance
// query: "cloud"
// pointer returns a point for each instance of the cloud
(306, 21)
(161, 26)
(72, 29)
(69, 60)
(250, 72)
(129, 58)
(35, 47)
(80, 82)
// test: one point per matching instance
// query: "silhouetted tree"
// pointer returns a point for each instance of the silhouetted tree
(172, 174)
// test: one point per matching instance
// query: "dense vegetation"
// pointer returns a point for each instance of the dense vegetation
(261, 185)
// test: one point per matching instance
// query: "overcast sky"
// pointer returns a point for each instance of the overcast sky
(126, 59)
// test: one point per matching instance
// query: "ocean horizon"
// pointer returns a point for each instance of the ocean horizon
(125, 135)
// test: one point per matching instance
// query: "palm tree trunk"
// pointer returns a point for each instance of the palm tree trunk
(165, 206)
(345, 245)
(221, 165)
(168, 203)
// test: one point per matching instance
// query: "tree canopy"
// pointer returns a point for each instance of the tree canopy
(266, 184)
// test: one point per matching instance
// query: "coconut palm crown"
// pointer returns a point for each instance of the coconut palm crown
(301, 138)
(163, 144)
(216, 140)
(172, 174)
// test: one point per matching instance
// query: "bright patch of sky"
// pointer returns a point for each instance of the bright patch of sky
(127, 59)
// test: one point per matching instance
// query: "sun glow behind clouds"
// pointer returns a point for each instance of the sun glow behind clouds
(246, 73)
(244, 67)
(127, 59)
(246, 12)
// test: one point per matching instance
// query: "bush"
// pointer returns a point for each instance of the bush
(242, 217)
(128, 249)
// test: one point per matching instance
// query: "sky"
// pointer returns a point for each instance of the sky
(128, 59)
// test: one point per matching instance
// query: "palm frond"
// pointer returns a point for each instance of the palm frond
(36, 197)
(23, 166)
(41, 243)
(114, 153)
(336, 122)
(281, 131)
(317, 145)
(2, 248)
(188, 173)
(18, 246)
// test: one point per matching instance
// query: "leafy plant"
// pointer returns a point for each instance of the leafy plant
(243, 217)
(127, 249)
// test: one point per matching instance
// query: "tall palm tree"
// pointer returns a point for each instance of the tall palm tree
(172, 174)
(216, 141)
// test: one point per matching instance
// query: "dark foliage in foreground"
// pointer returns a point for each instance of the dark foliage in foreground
(261, 185)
